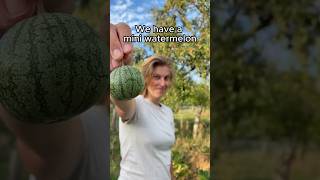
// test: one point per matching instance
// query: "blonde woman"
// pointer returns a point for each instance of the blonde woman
(146, 129)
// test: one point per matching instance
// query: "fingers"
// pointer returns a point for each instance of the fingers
(120, 52)
(116, 51)
(124, 30)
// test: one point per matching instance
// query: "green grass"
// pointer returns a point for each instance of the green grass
(189, 115)
(114, 155)
(257, 165)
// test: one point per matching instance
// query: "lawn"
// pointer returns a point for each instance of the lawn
(258, 165)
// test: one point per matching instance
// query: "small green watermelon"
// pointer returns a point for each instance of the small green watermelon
(126, 82)
(52, 67)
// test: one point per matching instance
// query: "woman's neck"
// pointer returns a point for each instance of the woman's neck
(155, 101)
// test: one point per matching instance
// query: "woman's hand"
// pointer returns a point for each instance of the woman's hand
(120, 52)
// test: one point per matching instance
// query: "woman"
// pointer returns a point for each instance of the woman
(146, 131)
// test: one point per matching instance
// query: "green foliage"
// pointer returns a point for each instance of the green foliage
(187, 57)
(114, 154)
(139, 55)
(256, 98)
(179, 91)
(199, 95)
(203, 175)
(181, 168)
(191, 156)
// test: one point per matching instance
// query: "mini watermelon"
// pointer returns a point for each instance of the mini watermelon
(52, 67)
(126, 82)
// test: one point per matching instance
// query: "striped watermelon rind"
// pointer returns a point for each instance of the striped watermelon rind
(126, 82)
(52, 67)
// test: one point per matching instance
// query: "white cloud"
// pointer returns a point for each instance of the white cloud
(140, 9)
(132, 12)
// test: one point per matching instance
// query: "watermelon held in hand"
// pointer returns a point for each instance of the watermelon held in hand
(126, 82)
(52, 67)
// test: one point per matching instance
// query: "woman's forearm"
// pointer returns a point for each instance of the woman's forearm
(124, 108)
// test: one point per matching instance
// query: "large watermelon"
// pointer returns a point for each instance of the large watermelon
(126, 82)
(52, 67)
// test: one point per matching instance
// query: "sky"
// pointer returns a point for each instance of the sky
(133, 12)
(138, 12)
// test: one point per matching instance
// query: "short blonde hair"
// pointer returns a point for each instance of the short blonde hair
(149, 66)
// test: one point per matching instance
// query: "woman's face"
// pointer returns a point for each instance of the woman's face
(159, 83)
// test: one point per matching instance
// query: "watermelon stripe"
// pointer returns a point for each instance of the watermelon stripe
(120, 82)
(100, 67)
(16, 36)
(47, 20)
(51, 29)
(70, 53)
(35, 72)
(132, 83)
(129, 82)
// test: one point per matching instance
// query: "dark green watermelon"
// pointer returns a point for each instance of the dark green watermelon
(126, 82)
(52, 67)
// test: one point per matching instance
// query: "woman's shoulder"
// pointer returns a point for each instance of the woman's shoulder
(139, 99)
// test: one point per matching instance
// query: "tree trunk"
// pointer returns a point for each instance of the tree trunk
(196, 123)
(187, 125)
(181, 128)
(287, 160)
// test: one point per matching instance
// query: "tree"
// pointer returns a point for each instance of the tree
(200, 98)
(256, 99)
(188, 58)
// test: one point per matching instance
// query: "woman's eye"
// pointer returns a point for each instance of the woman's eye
(156, 77)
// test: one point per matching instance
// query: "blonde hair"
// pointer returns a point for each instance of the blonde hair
(149, 66)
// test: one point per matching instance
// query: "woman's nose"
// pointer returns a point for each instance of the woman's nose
(165, 82)
(162, 82)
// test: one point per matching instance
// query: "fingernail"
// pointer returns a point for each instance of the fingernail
(116, 54)
(127, 47)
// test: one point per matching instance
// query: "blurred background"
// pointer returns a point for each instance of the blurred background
(92, 12)
(189, 97)
(266, 88)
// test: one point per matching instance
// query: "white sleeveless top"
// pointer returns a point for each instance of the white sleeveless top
(146, 141)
